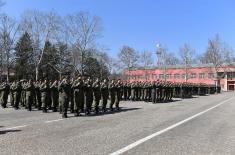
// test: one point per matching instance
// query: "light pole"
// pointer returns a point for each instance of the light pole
(161, 58)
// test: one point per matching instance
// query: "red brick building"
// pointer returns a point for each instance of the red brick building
(195, 74)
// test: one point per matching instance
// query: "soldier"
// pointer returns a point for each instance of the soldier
(38, 95)
(49, 105)
(17, 94)
(97, 94)
(29, 89)
(133, 92)
(128, 90)
(12, 99)
(154, 88)
(112, 90)
(78, 87)
(1, 94)
(118, 94)
(23, 94)
(159, 91)
(65, 95)
(88, 95)
(54, 95)
(5, 90)
(72, 97)
(45, 92)
(104, 94)
(125, 90)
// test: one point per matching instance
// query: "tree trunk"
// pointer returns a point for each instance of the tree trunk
(37, 72)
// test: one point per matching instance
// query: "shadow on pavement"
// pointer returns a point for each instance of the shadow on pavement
(6, 131)
(122, 109)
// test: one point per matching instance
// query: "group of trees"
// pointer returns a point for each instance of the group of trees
(47, 45)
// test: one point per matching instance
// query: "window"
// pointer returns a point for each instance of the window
(176, 76)
(231, 75)
(211, 75)
(193, 75)
(140, 77)
(168, 76)
(161, 76)
(133, 77)
(183, 76)
(154, 76)
(201, 75)
(147, 76)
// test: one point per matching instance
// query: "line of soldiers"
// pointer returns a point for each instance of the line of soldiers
(77, 95)
(84, 96)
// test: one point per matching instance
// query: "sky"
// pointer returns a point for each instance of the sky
(142, 24)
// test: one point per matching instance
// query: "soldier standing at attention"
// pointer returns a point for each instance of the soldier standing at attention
(45, 88)
(1, 93)
(112, 90)
(88, 95)
(65, 95)
(38, 95)
(54, 95)
(78, 87)
(17, 94)
(125, 90)
(104, 94)
(72, 97)
(12, 99)
(133, 91)
(153, 92)
(118, 94)
(29, 88)
(5, 90)
(97, 94)
(128, 90)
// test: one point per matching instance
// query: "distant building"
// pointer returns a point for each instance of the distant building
(195, 74)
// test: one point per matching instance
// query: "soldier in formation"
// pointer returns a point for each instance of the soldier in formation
(85, 96)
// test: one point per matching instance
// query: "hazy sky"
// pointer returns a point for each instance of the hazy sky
(143, 23)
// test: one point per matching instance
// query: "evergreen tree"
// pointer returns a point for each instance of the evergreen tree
(49, 62)
(24, 51)
(94, 68)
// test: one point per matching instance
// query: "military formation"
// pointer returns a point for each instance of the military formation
(84, 95)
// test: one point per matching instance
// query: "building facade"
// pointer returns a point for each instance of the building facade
(223, 76)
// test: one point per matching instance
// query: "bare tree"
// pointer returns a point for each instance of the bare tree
(8, 31)
(219, 55)
(83, 31)
(42, 27)
(187, 54)
(128, 57)
(146, 61)
(165, 59)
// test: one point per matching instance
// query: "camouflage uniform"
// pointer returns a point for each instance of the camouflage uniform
(112, 91)
(88, 95)
(78, 87)
(97, 95)
(105, 94)
(65, 95)
(45, 95)
(29, 89)
(55, 96)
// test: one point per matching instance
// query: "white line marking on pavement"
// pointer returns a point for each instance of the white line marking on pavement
(129, 147)
(57, 120)
(16, 127)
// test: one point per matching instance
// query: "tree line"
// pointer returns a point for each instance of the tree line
(46, 45)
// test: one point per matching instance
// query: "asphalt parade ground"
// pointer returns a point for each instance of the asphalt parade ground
(199, 125)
